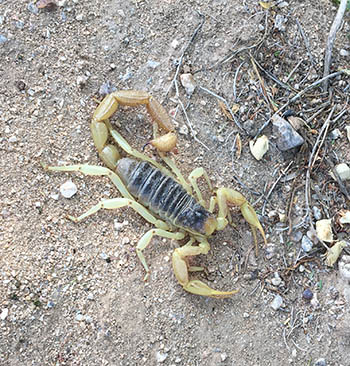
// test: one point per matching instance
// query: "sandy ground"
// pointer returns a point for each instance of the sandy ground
(73, 294)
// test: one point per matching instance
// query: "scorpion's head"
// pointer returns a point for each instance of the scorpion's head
(210, 225)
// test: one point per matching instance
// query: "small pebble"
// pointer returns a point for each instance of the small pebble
(174, 44)
(50, 304)
(270, 251)
(276, 281)
(286, 137)
(4, 313)
(335, 134)
(317, 213)
(54, 196)
(296, 236)
(13, 139)
(280, 20)
(81, 81)
(306, 244)
(188, 83)
(19, 24)
(79, 317)
(343, 171)
(161, 357)
(79, 17)
(307, 294)
(183, 130)
(104, 256)
(283, 4)
(68, 189)
(277, 302)
(88, 319)
(33, 8)
(153, 64)
(320, 362)
(106, 88)
(344, 53)
(223, 357)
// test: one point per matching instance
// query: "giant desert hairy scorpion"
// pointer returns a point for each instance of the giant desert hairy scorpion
(160, 195)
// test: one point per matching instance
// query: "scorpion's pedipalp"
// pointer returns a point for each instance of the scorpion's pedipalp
(181, 269)
(227, 195)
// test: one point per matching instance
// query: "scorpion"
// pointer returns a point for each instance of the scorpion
(160, 194)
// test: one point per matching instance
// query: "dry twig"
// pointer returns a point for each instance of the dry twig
(330, 42)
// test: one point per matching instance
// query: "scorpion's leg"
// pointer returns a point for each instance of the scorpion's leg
(227, 195)
(93, 170)
(181, 270)
(114, 203)
(146, 239)
(193, 177)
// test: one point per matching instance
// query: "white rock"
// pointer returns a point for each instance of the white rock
(260, 147)
(306, 244)
(79, 317)
(324, 230)
(344, 53)
(4, 313)
(277, 302)
(345, 219)
(161, 357)
(54, 196)
(174, 44)
(343, 171)
(188, 83)
(68, 189)
(13, 139)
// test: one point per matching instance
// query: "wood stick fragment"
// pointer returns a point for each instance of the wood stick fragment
(330, 41)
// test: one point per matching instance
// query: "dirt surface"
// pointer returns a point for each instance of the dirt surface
(73, 294)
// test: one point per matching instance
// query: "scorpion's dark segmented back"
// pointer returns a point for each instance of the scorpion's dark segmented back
(162, 195)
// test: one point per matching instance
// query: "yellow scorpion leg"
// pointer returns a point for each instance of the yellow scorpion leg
(146, 239)
(114, 203)
(181, 270)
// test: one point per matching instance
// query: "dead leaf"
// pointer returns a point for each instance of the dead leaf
(296, 122)
(266, 5)
(260, 147)
(238, 146)
(333, 253)
(235, 108)
(222, 105)
(48, 4)
(324, 230)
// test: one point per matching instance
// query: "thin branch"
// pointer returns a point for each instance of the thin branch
(226, 104)
(297, 96)
(313, 156)
(174, 81)
(330, 41)
(306, 41)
